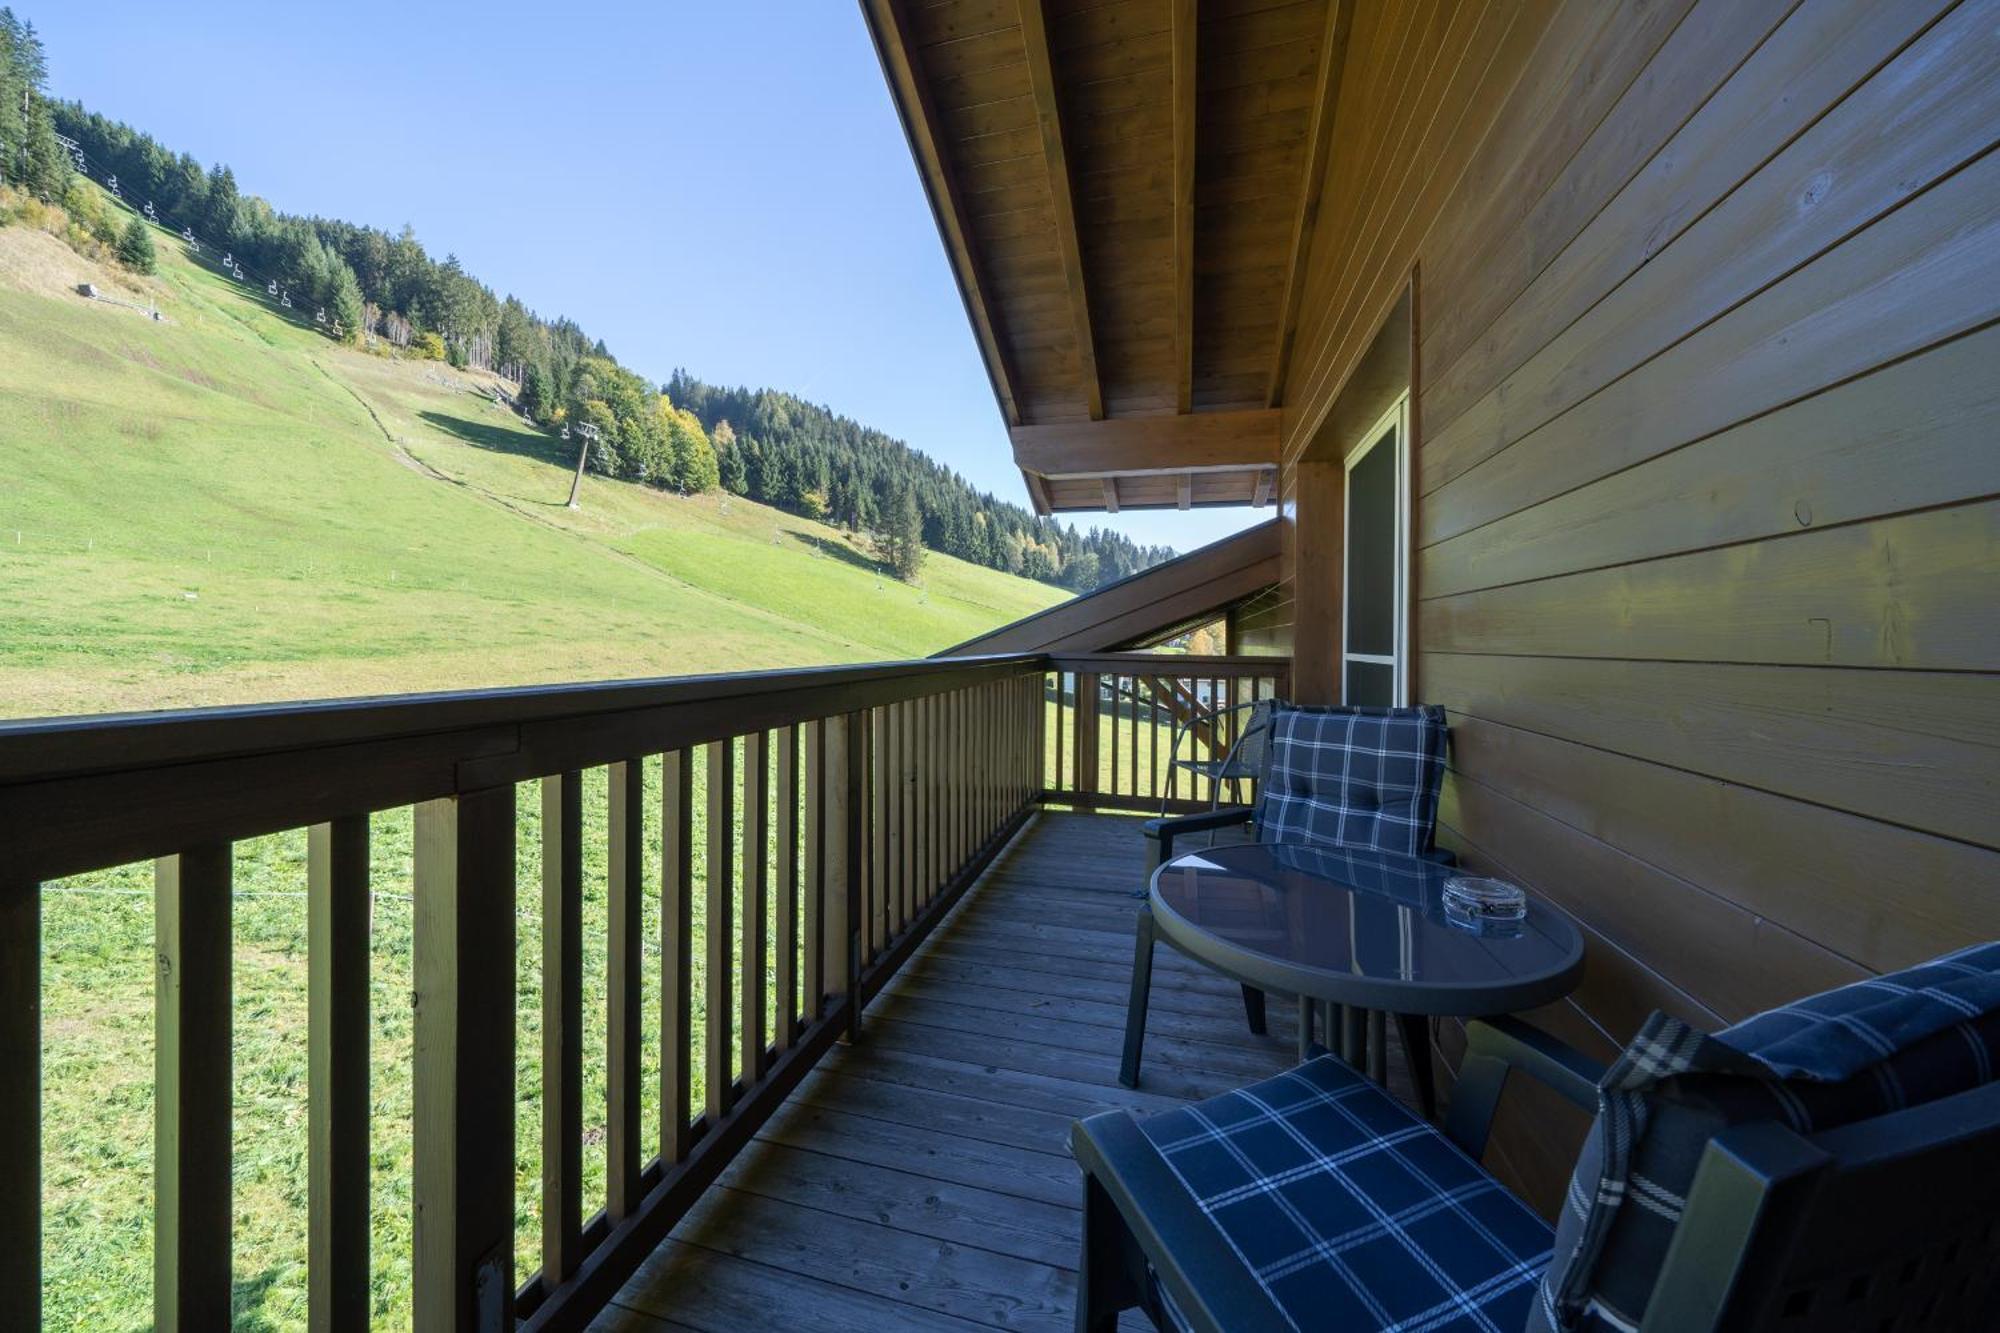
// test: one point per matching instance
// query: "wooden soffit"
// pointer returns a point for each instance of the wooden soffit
(1126, 192)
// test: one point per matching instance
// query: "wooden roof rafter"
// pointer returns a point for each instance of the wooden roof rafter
(1183, 39)
(902, 68)
(1048, 113)
(1319, 143)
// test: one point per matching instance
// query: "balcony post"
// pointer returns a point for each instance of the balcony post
(192, 1084)
(21, 1097)
(464, 1093)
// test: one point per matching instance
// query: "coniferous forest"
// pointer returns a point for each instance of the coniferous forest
(386, 293)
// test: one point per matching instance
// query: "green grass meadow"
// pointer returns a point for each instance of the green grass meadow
(226, 507)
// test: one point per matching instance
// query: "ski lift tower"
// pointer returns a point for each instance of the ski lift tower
(590, 434)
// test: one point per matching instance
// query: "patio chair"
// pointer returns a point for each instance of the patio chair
(1347, 777)
(1826, 1165)
(1241, 762)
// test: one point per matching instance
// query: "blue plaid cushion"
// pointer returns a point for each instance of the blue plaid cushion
(1354, 777)
(1834, 1059)
(1351, 1212)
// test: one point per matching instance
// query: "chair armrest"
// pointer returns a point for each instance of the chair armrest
(1194, 1265)
(1160, 833)
(1493, 1048)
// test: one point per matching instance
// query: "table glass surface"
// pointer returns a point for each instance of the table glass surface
(1349, 914)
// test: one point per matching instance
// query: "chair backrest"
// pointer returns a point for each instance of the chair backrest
(1812, 1142)
(1252, 742)
(1353, 777)
(1885, 1224)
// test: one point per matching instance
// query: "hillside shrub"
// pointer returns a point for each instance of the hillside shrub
(428, 346)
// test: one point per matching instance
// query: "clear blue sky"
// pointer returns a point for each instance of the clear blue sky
(721, 186)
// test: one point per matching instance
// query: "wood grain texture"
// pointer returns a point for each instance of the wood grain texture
(463, 1113)
(192, 1090)
(338, 912)
(21, 1094)
(1707, 517)
(921, 1178)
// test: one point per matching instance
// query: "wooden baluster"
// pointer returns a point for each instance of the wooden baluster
(818, 968)
(786, 888)
(624, 899)
(676, 955)
(1153, 788)
(877, 769)
(847, 816)
(889, 762)
(756, 903)
(1111, 788)
(937, 871)
(337, 911)
(191, 1116)
(21, 1097)
(1062, 748)
(721, 927)
(961, 778)
(464, 1062)
(562, 1025)
(913, 829)
(1132, 787)
(1086, 733)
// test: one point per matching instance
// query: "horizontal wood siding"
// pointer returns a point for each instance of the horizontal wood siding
(1707, 536)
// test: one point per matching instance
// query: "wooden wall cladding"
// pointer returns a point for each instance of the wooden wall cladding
(1708, 492)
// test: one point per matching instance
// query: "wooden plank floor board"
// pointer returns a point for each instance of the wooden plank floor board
(922, 1179)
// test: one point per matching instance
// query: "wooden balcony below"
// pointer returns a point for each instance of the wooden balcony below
(922, 1179)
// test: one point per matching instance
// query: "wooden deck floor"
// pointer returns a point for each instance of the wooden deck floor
(922, 1178)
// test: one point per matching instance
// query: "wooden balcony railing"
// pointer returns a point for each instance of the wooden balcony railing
(1119, 721)
(823, 821)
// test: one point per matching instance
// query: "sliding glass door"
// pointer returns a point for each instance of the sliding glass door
(1374, 637)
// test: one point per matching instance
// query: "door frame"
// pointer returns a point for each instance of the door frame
(1393, 423)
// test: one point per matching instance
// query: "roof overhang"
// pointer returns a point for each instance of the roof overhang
(1146, 607)
(1126, 194)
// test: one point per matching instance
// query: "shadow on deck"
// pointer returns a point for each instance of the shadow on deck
(922, 1179)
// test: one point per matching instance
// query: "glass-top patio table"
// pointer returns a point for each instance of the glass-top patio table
(1354, 935)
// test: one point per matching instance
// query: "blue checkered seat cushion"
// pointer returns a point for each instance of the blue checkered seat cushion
(1354, 777)
(1843, 1056)
(1351, 1212)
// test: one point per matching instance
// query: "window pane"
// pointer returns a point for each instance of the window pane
(1370, 683)
(1371, 552)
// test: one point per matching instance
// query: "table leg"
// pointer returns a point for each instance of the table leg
(1253, 1009)
(1135, 1010)
(1378, 1048)
(1351, 1035)
(1306, 1007)
(1415, 1032)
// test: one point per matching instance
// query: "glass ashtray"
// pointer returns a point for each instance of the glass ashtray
(1478, 903)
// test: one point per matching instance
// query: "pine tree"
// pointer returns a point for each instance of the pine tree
(135, 247)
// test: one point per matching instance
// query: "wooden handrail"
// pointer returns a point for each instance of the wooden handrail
(82, 793)
(896, 784)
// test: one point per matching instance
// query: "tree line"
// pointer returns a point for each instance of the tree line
(801, 457)
(386, 292)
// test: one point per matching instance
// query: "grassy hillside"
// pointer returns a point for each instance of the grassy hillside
(226, 506)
